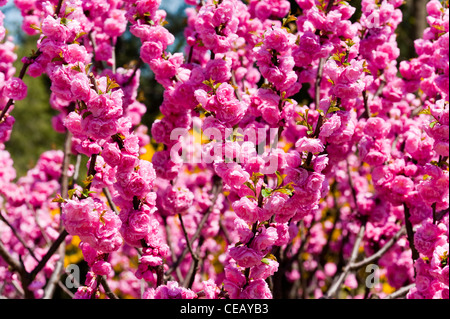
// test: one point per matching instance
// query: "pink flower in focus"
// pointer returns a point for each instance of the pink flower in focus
(15, 89)
(245, 257)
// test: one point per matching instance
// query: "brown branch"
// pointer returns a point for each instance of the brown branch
(110, 200)
(25, 66)
(225, 232)
(62, 236)
(136, 67)
(380, 89)
(190, 277)
(18, 236)
(371, 259)
(108, 290)
(400, 292)
(18, 266)
(172, 252)
(216, 190)
(318, 82)
(64, 179)
(10, 260)
(186, 236)
(55, 277)
(236, 88)
(366, 113)
(410, 233)
(159, 275)
(338, 282)
(317, 102)
(58, 8)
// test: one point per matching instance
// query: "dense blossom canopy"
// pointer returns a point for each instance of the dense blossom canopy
(320, 152)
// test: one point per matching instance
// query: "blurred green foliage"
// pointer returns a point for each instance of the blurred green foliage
(32, 133)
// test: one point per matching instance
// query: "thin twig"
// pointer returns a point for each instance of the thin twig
(400, 292)
(58, 8)
(317, 103)
(108, 290)
(186, 236)
(236, 88)
(318, 82)
(216, 190)
(55, 277)
(190, 277)
(64, 180)
(62, 236)
(113, 67)
(17, 265)
(338, 282)
(18, 236)
(10, 260)
(379, 253)
(380, 89)
(110, 200)
(67, 291)
(135, 69)
(225, 232)
(25, 66)
(366, 113)
(410, 233)
(172, 251)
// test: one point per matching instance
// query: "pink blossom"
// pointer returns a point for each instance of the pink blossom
(245, 257)
(15, 89)
(306, 144)
(257, 289)
(265, 239)
(246, 209)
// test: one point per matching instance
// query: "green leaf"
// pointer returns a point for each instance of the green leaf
(57, 59)
(76, 68)
(71, 192)
(350, 43)
(68, 11)
(255, 177)
(432, 124)
(265, 192)
(86, 193)
(249, 185)
(82, 105)
(86, 114)
(88, 180)
(279, 179)
(209, 83)
(65, 21)
(289, 19)
(333, 109)
(425, 111)
(302, 122)
(284, 191)
(35, 27)
(58, 199)
(271, 256)
(87, 67)
(265, 261)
